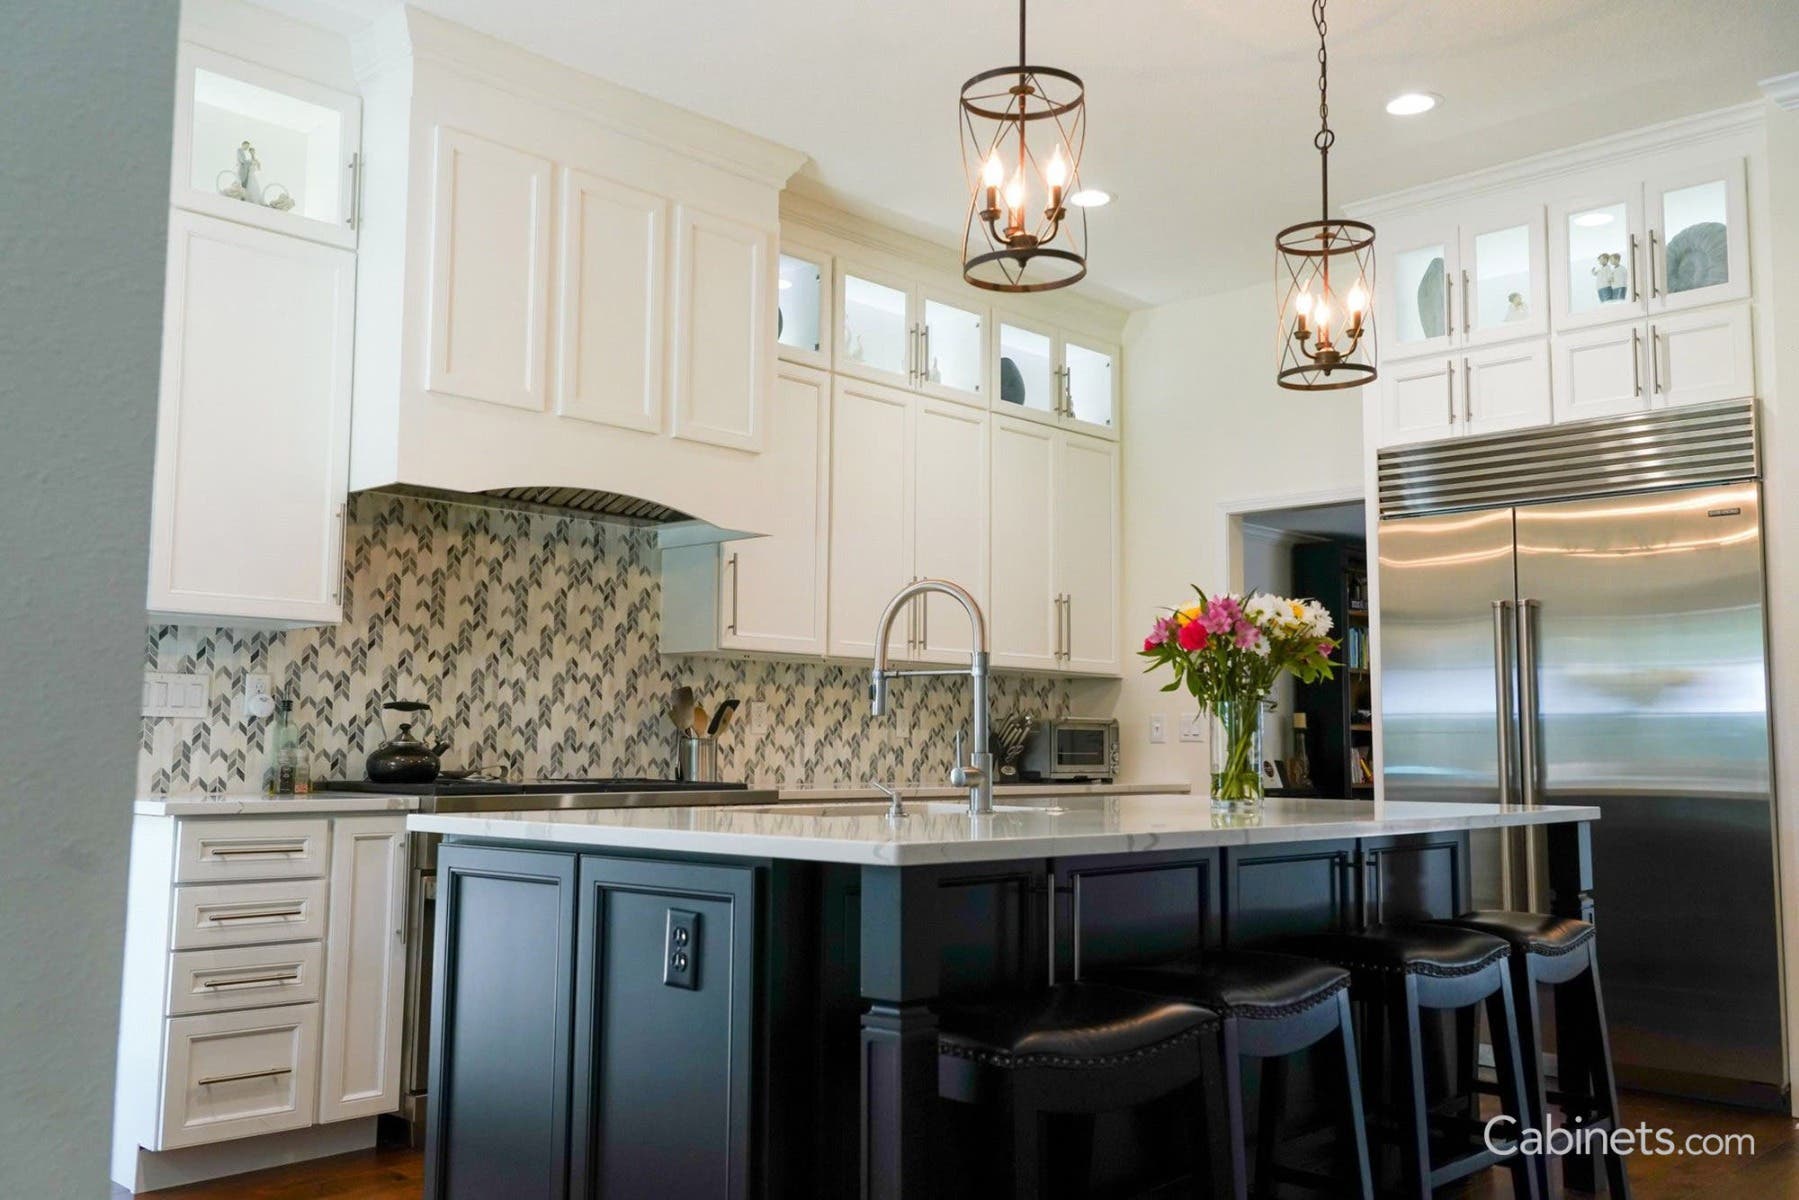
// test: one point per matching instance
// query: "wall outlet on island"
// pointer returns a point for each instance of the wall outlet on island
(1158, 729)
(1193, 727)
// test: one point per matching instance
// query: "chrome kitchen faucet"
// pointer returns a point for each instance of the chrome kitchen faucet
(976, 771)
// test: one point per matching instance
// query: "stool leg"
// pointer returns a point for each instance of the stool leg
(1406, 1062)
(1575, 1052)
(1605, 1081)
(1502, 1020)
(1027, 1148)
(1230, 1163)
(1530, 1051)
(1268, 1127)
(1467, 1060)
(1353, 1136)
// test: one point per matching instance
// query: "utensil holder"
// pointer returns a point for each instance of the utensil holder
(696, 759)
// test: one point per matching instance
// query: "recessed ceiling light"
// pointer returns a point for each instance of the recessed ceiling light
(1410, 104)
(1592, 220)
(1091, 198)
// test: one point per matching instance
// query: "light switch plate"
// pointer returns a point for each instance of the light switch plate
(1158, 729)
(170, 694)
(1193, 727)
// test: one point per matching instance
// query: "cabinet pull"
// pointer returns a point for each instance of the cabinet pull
(271, 1073)
(355, 218)
(1465, 303)
(1467, 393)
(1636, 362)
(1448, 309)
(254, 851)
(924, 353)
(264, 915)
(259, 981)
(343, 552)
(1636, 289)
(1449, 388)
(1655, 360)
(1068, 627)
(1655, 287)
(924, 622)
(1067, 394)
(732, 627)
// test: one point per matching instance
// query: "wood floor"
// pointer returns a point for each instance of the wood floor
(1771, 1173)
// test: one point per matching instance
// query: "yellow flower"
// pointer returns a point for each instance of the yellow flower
(1190, 613)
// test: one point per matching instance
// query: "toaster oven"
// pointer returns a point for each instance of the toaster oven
(1073, 750)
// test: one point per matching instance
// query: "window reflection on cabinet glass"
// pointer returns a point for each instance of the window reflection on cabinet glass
(1418, 294)
(874, 324)
(1502, 283)
(955, 346)
(1089, 383)
(798, 301)
(1599, 263)
(297, 147)
(1697, 252)
(1024, 369)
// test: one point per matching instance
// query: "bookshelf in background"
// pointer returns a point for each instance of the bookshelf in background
(1339, 712)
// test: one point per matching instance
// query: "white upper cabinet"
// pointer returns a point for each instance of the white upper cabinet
(1420, 400)
(893, 329)
(1697, 357)
(1506, 387)
(490, 272)
(1047, 374)
(1464, 279)
(252, 446)
(610, 303)
(950, 542)
(872, 478)
(1600, 372)
(1417, 279)
(723, 307)
(260, 147)
(1630, 247)
(1024, 613)
(1086, 553)
(803, 304)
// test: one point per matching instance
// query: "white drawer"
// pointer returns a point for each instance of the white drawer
(202, 981)
(234, 1074)
(217, 850)
(244, 914)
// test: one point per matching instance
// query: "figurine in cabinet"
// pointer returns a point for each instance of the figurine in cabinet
(1515, 308)
(245, 183)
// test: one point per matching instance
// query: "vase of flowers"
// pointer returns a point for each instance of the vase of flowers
(1228, 651)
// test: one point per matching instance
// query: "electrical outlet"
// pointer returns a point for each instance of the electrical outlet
(1158, 729)
(184, 697)
(753, 715)
(1193, 727)
(259, 695)
(681, 950)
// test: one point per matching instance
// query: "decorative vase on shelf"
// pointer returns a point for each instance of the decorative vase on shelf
(1236, 744)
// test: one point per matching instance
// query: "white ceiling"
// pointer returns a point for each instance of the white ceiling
(1201, 112)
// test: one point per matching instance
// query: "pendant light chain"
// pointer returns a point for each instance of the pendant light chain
(1325, 137)
(1021, 57)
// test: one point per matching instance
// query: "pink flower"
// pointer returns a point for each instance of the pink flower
(1160, 633)
(1150, 644)
(1220, 615)
(1247, 635)
(1193, 635)
(1325, 648)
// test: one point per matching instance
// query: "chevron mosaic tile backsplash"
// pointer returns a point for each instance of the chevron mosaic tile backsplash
(534, 639)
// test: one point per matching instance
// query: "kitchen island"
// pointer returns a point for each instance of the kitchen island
(740, 1002)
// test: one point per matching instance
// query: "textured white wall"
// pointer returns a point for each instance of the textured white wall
(86, 89)
(1205, 426)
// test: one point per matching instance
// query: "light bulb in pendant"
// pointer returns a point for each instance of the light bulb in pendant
(1055, 176)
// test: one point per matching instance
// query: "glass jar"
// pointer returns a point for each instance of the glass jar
(1236, 746)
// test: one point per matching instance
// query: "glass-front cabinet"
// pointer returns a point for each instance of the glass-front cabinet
(264, 148)
(892, 330)
(1415, 283)
(1062, 378)
(803, 305)
(1470, 281)
(1641, 247)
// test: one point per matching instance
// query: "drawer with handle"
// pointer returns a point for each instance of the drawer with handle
(242, 914)
(234, 1074)
(244, 977)
(216, 850)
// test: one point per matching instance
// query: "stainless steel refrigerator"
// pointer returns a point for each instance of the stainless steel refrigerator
(1575, 616)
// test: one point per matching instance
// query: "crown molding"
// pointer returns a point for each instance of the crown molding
(1570, 160)
(1783, 90)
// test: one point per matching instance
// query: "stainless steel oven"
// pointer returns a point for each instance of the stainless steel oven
(1073, 750)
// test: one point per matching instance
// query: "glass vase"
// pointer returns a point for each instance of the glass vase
(1237, 755)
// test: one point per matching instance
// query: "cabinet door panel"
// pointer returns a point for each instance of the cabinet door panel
(1022, 610)
(723, 304)
(1090, 375)
(610, 350)
(803, 304)
(773, 596)
(875, 326)
(490, 272)
(953, 360)
(1702, 356)
(1601, 372)
(950, 523)
(1418, 278)
(1506, 387)
(1505, 261)
(1699, 237)
(235, 1074)
(871, 513)
(253, 443)
(1086, 552)
(1028, 377)
(1419, 401)
(365, 969)
(1596, 257)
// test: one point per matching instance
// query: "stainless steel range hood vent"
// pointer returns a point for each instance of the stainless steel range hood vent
(611, 508)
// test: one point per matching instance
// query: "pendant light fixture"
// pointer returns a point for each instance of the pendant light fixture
(1324, 275)
(1023, 128)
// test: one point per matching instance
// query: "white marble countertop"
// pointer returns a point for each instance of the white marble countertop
(942, 831)
(851, 791)
(255, 804)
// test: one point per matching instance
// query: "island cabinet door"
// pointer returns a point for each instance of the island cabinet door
(664, 1012)
(1415, 877)
(502, 1016)
(1277, 890)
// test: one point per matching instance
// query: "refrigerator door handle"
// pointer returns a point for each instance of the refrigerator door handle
(1502, 694)
(1529, 759)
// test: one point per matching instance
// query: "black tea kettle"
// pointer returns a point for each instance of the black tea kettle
(403, 757)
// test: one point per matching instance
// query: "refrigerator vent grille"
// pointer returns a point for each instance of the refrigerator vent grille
(1675, 447)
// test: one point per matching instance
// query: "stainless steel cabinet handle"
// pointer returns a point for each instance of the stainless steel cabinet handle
(1467, 393)
(1465, 322)
(1067, 393)
(257, 916)
(271, 1073)
(343, 552)
(258, 981)
(1450, 390)
(355, 218)
(1636, 292)
(924, 353)
(1502, 693)
(1636, 362)
(1529, 765)
(253, 851)
(732, 563)
(1655, 360)
(1067, 627)
(1655, 287)
(1448, 308)
(911, 354)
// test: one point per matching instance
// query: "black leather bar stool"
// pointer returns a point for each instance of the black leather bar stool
(1081, 1049)
(1564, 953)
(1274, 1006)
(1401, 970)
